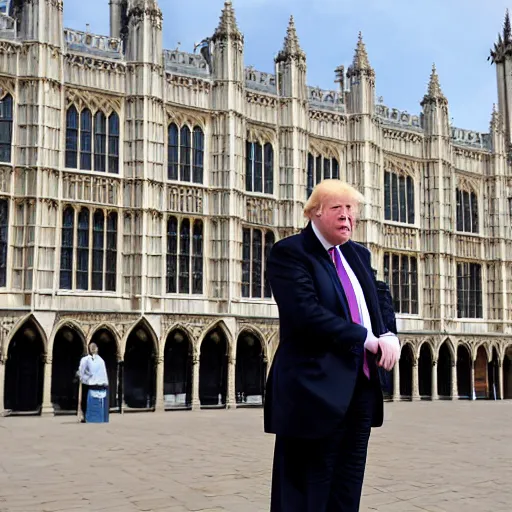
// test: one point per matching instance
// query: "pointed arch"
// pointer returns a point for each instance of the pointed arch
(445, 364)
(105, 326)
(214, 353)
(217, 324)
(405, 368)
(68, 347)
(464, 363)
(139, 369)
(481, 372)
(425, 365)
(507, 372)
(178, 359)
(25, 366)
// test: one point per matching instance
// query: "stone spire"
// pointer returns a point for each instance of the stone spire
(291, 48)
(434, 92)
(361, 63)
(496, 119)
(503, 43)
(228, 27)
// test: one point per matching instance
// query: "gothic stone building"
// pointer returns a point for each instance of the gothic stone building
(141, 190)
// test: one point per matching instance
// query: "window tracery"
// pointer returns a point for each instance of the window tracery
(321, 168)
(185, 153)
(256, 246)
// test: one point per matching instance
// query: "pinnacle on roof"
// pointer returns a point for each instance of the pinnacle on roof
(434, 92)
(291, 46)
(504, 42)
(361, 56)
(507, 29)
(496, 120)
(227, 25)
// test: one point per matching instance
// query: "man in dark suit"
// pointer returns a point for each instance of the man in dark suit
(323, 392)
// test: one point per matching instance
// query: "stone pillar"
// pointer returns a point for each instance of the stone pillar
(396, 384)
(415, 381)
(47, 407)
(434, 393)
(231, 398)
(500, 377)
(2, 385)
(473, 394)
(196, 404)
(159, 398)
(455, 390)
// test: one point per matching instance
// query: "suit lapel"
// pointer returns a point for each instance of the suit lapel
(316, 247)
(361, 271)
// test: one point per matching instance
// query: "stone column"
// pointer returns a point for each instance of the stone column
(396, 384)
(500, 377)
(455, 391)
(415, 381)
(473, 394)
(196, 404)
(434, 393)
(159, 398)
(47, 407)
(231, 398)
(2, 385)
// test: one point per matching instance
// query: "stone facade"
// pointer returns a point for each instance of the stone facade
(141, 189)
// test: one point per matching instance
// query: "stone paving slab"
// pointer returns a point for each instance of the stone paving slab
(429, 456)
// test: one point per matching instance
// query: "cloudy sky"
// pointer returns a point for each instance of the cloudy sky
(403, 38)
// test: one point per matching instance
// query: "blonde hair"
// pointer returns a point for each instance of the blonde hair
(328, 189)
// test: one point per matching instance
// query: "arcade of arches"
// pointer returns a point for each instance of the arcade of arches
(178, 372)
(207, 369)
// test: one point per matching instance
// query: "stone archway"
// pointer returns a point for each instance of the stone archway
(250, 371)
(24, 370)
(481, 374)
(178, 355)
(493, 371)
(444, 372)
(464, 384)
(507, 374)
(68, 349)
(139, 369)
(425, 366)
(107, 349)
(405, 369)
(213, 370)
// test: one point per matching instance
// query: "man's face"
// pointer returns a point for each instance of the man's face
(337, 220)
(93, 349)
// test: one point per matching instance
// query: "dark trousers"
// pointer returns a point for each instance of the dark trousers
(83, 401)
(325, 475)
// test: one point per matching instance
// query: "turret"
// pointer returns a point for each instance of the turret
(228, 47)
(144, 31)
(291, 66)
(361, 79)
(435, 108)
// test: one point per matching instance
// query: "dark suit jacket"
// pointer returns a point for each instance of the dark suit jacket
(315, 368)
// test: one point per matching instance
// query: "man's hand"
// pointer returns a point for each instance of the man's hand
(390, 349)
(372, 343)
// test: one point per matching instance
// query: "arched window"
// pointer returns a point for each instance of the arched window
(466, 211)
(72, 138)
(113, 143)
(320, 168)
(401, 275)
(398, 198)
(469, 290)
(256, 247)
(184, 269)
(66, 251)
(98, 249)
(197, 257)
(82, 253)
(269, 242)
(172, 254)
(4, 233)
(85, 140)
(185, 150)
(259, 167)
(311, 174)
(172, 152)
(100, 142)
(198, 152)
(111, 269)
(6, 116)
(268, 158)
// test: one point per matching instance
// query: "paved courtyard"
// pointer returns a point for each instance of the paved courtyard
(434, 457)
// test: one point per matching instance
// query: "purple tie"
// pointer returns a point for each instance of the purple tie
(351, 297)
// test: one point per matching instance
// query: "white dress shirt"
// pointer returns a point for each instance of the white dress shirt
(364, 314)
(92, 371)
